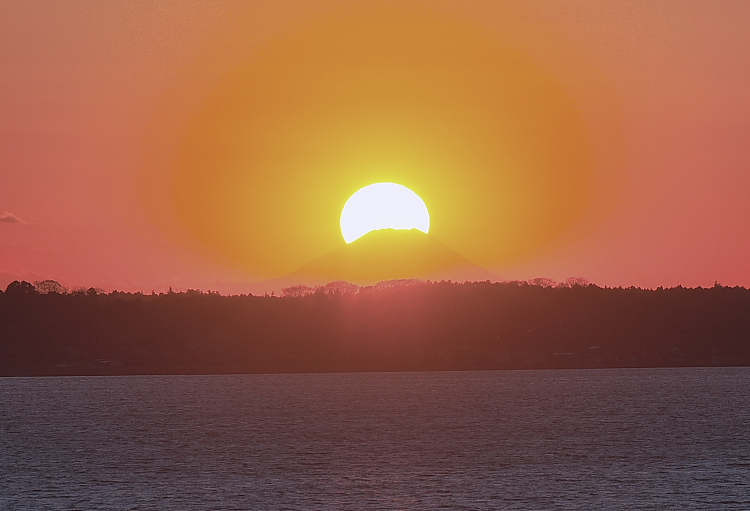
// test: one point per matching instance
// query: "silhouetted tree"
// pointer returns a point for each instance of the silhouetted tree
(20, 288)
(574, 281)
(388, 284)
(297, 291)
(542, 282)
(49, 286)
(340, 287)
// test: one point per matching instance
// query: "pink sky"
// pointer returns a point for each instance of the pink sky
(82, 81)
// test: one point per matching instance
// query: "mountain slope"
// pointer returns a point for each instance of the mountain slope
(392, 254)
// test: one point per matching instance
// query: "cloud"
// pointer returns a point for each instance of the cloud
(10, 218)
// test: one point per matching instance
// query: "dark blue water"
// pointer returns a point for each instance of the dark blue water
(590, 439)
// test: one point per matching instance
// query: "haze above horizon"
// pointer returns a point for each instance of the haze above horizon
(146, 146)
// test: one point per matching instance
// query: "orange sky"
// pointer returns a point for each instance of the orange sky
(98, 101)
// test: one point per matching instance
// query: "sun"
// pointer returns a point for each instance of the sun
(383, 206)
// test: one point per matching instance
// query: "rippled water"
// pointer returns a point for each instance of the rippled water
(590, 439)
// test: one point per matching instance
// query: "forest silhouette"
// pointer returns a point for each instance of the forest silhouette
(401, 325)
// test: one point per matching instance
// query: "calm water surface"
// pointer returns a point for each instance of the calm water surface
(531, 440)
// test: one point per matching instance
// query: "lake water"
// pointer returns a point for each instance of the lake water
(531, 440)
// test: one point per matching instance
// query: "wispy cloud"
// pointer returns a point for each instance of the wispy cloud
(10, 218)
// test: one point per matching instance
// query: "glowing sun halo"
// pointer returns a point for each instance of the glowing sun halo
(383, 206)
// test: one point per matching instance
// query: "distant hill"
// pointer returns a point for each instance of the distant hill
(389, 254)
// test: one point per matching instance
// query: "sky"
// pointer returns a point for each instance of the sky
(145, 145)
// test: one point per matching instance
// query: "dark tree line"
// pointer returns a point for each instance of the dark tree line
(420, 326)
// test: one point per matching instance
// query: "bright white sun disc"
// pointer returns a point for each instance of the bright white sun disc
(383, 206)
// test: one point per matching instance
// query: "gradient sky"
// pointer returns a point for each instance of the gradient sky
(97, 97)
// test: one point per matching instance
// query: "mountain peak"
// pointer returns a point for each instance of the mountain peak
(388, 254)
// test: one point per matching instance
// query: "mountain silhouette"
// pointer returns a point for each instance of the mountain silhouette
(389, 254)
